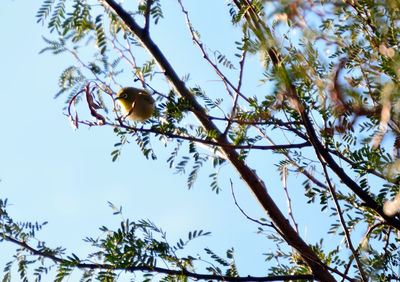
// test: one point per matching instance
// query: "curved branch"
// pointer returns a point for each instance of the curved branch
(245, 214)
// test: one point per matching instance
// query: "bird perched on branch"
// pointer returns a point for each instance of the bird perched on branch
(136, 104)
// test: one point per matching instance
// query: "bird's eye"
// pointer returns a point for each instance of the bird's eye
(125, 95)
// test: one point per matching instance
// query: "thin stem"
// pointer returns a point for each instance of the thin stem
(295, 165)
(235, 99)
(245, 214)
(343, 222)
(288, 200)
(206, 57)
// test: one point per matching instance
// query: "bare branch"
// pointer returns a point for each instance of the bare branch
(241, 64)
(245, 214)
(233, 111)
(131, 61)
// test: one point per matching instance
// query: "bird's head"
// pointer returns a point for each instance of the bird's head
(128, 95)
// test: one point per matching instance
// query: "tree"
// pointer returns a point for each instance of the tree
(329, 92)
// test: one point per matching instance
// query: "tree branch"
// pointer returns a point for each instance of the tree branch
(147, 15)
(96, 266)
(213, 143)
(343, 176)
(191, 138)
(295, 165)
(236, 97)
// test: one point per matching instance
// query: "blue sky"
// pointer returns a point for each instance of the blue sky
(51, 173)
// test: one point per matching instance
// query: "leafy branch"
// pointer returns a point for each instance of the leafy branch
(123, 240)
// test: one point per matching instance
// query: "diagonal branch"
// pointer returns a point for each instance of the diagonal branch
(295, 165)
(343, 176)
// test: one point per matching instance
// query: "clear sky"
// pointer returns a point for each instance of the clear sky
(50, 173)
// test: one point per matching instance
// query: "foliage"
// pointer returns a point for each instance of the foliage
(330, 83)
(134, 246)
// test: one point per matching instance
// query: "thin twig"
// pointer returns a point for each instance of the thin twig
(342, 221)
(121, 124)
(270, 121)
(370, 229)
(233, 111)
(288, 200)
(205, 55)
(295, 165)
(132, 61)
(245, 214)
(216, 144)
(235, 99)
(241, 69)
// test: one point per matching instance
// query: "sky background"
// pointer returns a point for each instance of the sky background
(51, 173)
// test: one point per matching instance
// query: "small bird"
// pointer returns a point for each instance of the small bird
(136, 104)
